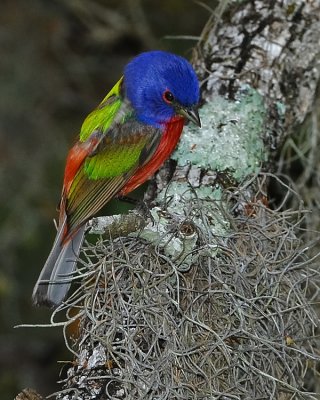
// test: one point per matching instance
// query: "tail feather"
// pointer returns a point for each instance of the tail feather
(55, 278)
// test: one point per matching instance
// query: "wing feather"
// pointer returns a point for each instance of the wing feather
(114, 162)
(97, 194)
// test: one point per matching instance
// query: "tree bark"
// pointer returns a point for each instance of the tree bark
(209, 295)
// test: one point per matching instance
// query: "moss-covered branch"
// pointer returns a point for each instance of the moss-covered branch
(210, 295)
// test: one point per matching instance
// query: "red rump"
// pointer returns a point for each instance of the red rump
(75, 158)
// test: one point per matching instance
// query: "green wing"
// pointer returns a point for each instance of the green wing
(124, 145)
(102, 117)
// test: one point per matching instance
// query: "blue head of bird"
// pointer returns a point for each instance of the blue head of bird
(161, 86)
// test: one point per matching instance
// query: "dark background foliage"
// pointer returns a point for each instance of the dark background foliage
(58, 60)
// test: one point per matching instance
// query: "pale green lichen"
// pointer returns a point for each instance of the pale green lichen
(281, 109)
(202, 207)
(230, 138)
(164, 229)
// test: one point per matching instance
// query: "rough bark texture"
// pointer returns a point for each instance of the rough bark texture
(272, 46)
(210, 297)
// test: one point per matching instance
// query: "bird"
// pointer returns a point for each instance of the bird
(121, 144)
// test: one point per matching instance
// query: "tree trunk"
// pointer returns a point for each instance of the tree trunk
(209, 294)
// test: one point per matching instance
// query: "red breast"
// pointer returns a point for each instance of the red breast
(168, 142)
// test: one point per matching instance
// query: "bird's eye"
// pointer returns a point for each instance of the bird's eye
(168, 97)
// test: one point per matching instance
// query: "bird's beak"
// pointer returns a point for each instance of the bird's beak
(191, 113)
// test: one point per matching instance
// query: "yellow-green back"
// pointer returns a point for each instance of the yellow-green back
(102, 117)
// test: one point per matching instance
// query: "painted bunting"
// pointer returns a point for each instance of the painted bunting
(122, 143)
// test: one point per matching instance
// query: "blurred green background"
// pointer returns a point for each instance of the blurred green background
(58, 60)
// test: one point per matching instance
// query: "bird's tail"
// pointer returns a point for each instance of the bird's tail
(55, 278)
